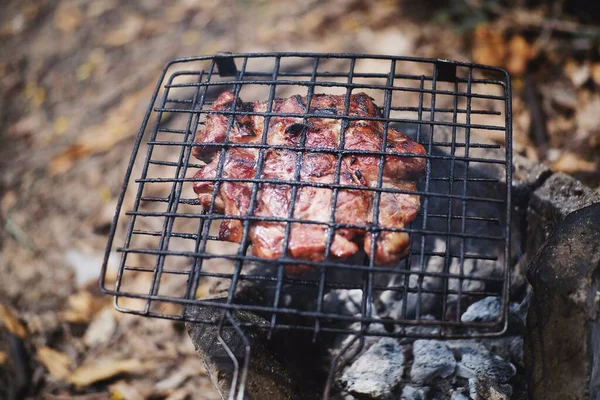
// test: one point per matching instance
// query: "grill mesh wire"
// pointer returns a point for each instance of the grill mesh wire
(165, 246)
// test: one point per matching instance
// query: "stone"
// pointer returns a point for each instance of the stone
(475, 362)
(432, 359)
(376, 372)
(562, 342)
(485, 310)
(559, 196)
(410, 392)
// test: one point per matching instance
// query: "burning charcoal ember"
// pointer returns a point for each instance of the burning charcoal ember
(377, 371)
(414, 393)
(483, 388)
(477, 361)
(485, 310)
(432, 359)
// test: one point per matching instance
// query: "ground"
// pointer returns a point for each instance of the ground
(75, 79)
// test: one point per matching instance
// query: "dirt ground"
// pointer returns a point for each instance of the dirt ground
(75, 79)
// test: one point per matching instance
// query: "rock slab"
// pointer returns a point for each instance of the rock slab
(562, 342)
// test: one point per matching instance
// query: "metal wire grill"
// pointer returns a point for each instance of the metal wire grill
(168, 258)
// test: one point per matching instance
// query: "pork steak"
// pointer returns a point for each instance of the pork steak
(309, 143)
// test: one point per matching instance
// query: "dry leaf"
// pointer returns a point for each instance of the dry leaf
(596, 73)
(100, 370)
(61, 125)
(82, 307)
(11, 322)
(97, 8)
(519, 55)
(577, 73)
(56, 362)
(101, 328)
(125, 390)
(129, 30)
(570, 163)
(34, 93)
(488, 46)
(68, 19)
(117, 126)
(3, 357)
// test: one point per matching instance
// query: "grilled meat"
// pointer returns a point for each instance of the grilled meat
(353, 205)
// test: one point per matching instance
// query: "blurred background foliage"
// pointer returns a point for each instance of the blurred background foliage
(75, 78)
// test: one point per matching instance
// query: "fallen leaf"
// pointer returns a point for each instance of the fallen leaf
(519, 55)
(130, 28)
(570, 163)
(488, 46)
(3, 68)
(595, 73)
(126, 390)
(15, 26)
(101, 329)
(190, 37)
(9, 200)
(100, 370)
(577, 73)
(27, 125)
(61, 125)
(11, 322)
(3, 357)
(97, 8)
(68, 19)
(56, 362)
(82, 306)
(118, 125)
(35, 93)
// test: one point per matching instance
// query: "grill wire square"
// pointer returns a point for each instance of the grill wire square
(166, 250)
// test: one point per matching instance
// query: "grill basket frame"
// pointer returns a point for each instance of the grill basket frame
(227, 70)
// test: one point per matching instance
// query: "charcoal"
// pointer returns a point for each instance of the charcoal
(432, 359)
(458, 396)
(377, 371)
(485, 310)
(410, 392)
(476, 362)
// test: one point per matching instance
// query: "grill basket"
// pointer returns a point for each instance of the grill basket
(164, 259)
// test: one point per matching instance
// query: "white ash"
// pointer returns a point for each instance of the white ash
(343, 301)
(458, 396)
(432, 359)
(485, 310)
(410, 392)
(377, 372)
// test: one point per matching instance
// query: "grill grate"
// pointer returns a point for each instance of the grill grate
(168, 257)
